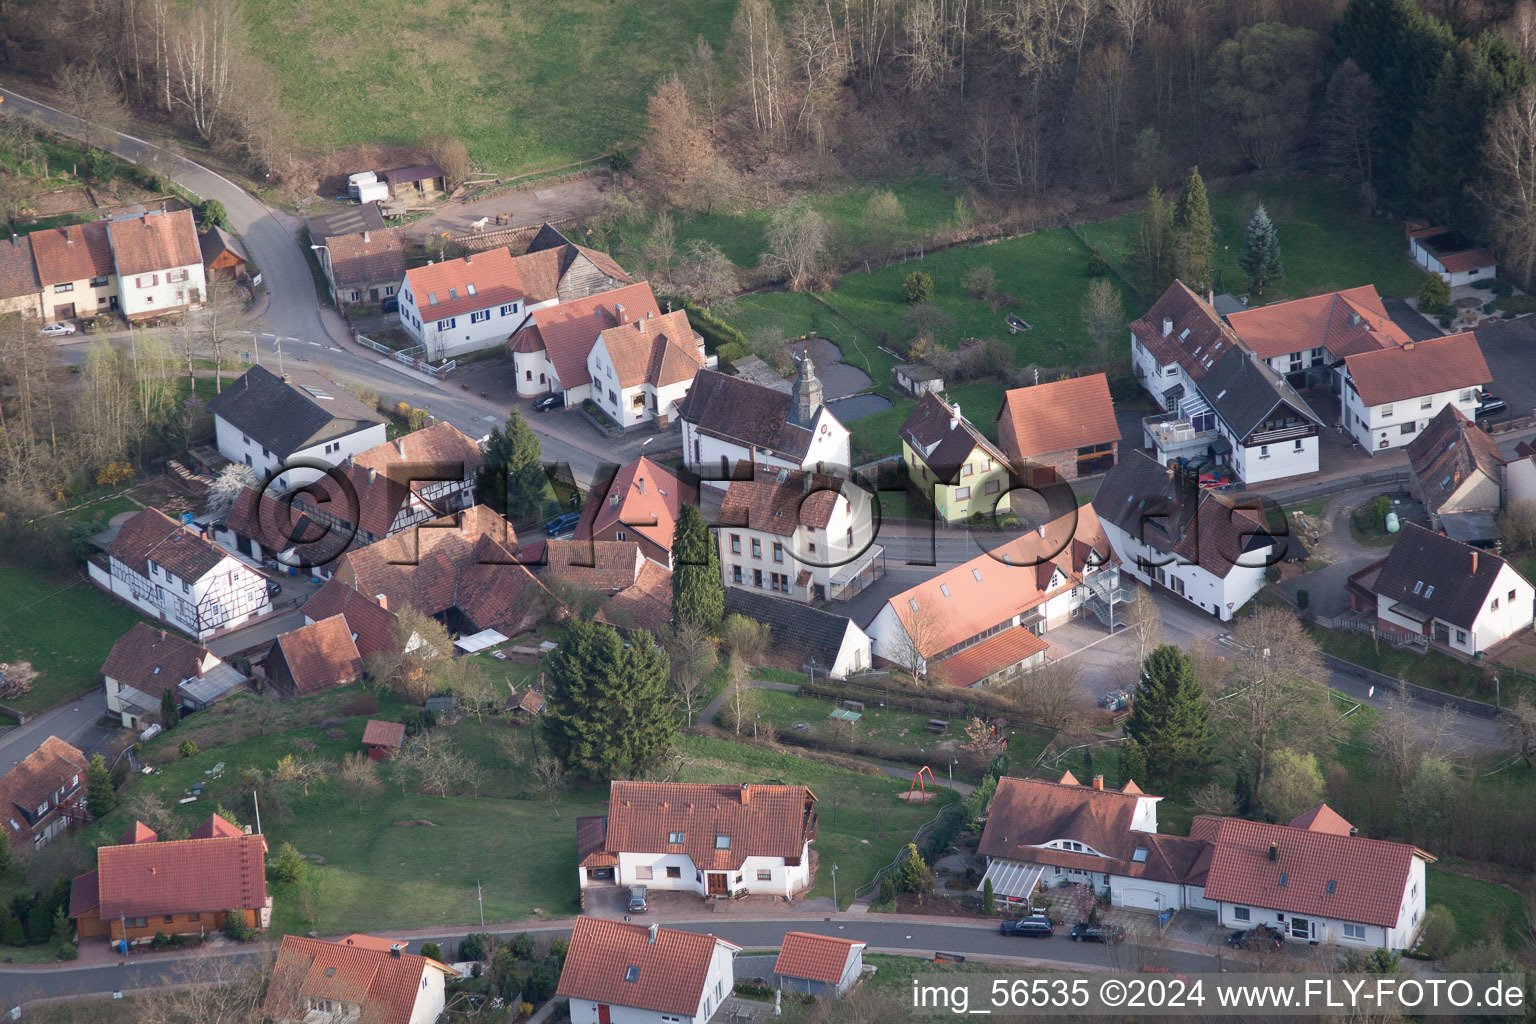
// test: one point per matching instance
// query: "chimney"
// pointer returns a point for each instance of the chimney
(1353, 831)
(1474, 563)
(640, 484)
(366, 238)
(1167, 326)
(746, 795)
(1210, 296)
(1354, 319)
(399, 447)
(1274, 852)
(651, 931)
(383, 600)
(469, 258)
(618, 311)
(395, 948)
(1098, 783)
(162, 634)
(373, 471)
(954, 416)
(1408, 346)
(640, 325)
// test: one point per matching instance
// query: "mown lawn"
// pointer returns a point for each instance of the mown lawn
(525, 86)
(1327, 243)
(1432, 670)
(1478, 906)
(64, 627)
(1044, 272)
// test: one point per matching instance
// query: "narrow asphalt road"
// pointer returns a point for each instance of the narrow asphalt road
(73, 723)
(918, 938)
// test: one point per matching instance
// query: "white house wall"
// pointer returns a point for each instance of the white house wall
(1273, 461)
(535, 373)
(1380, 427)
(1512, 616)
(236, 446)
(854, 654)
(429, 997)
(447, 337)
(145, 294)
(784, 880)
(1221, 596)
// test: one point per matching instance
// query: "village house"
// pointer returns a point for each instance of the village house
(1061, 430)
(620, 973)
(1223, 405)
(804, 536)
(1458, 474)
(261, 527)
(1520, 474)
(549, 352)
(1183, 539)
(638, 589)
(962, 473)
(364, 266)
(716, 841)
(733, 428)
(223, 254)
(643, 367)
(158, 263)
(981, 622)
(825, 966)
(918, 379)
(1456, 259)
(170, 571)
(273, 423)
(142, 886)
(43, 794)
(1431, 589)
(20, 289)
(804, 638)
(482, 299)
(374, 628)
(1390, 394)
(1306, 339)
(75, 270)
(313, 658)
(145, 662)
(349, 220)
(641, 502)
(1314, 880)
(360, 978)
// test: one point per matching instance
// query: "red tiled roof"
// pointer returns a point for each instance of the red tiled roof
(84, 895)
(320, 655)
(216, 827)
(279, 525)
(604, 565)
(815, 957)
(373, 626)
(18, 268)
(1342, 323)
(154, 242)
(763, 503)
(442, 445)
(568, 331)
(74, 253)
(590, 834)
(1002, 583)
(187, 876)
(139, 833)
(1418, 368)
(151, 534)
(656, 350)
(367, 257)
(1057, 416)
(52, 766)
(152, 660)
(1323, 818)
(477, 281)
(1369, 875)
(994, 654)
(1472, 259)
(671, 969)
(1198, 336)
(760, 821)
(359, 970)
(1448, 451)
(642, 497)
(647, 604)
(383, 734)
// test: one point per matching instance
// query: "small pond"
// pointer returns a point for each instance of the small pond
(856, 407)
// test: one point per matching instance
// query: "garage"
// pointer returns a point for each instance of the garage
(1137, 897)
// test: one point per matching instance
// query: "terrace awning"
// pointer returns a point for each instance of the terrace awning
(1012, 878)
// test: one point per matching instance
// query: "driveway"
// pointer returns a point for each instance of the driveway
(1408, 318)
(1509, 346)
(575, 198)
(77, 723)
(1346, 556)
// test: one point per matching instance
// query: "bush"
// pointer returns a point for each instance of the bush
(211, 214)
(1434, 294)
(288, 865)
(1517, 304)
(719, 337)
(1098, 266)
(620, 161)
(1445, 320)
(68, 952)
(161, 941)
(917, 288)
(235, 927)
(476, 946)
(188, 748)
(1438, 937)
(1501, 288)
(432, 950)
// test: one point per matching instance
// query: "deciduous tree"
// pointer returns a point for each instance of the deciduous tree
(796, 246)
(692, 650)
(1263, 82)
(1103, 315)
(1293, 785)
(1276, 687)
(360, 776)
(676, 144)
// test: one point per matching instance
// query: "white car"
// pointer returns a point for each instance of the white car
(58, 328)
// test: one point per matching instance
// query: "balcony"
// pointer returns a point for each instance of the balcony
(1173, 435)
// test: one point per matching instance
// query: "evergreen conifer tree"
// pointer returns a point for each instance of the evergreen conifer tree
(606, 715)
(698, 594)
(1194, 236)
(1260, 258)
(170, 709)
(1170, 720)
(512, 481)
(100, 795)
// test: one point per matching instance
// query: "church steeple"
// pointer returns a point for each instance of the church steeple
(807, 393)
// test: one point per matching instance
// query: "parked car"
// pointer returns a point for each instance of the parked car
(60, 327)
(563, 523)
(553, 400)
(1036, 927)
(1490, 405)
(391, 304)
(637, 904)
(274, 588)
(1085, 932)
(1256, 938)
(1219, 481)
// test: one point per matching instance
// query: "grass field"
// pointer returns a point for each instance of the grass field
(1044, 272)
(1479, 907)
(525, 86)
(65, 628)
(1327, 243)
(1432, 670)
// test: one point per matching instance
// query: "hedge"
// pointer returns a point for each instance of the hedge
(720, 337)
